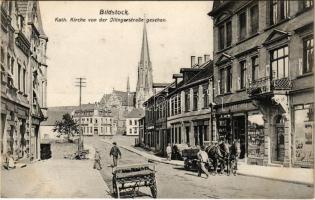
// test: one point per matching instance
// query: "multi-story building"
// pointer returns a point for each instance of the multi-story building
(23, 78)
(264, 82)
(95, 120)
(132, 121)
(190, 116)
(180, 112)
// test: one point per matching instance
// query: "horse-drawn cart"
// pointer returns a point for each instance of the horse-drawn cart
(130, 178)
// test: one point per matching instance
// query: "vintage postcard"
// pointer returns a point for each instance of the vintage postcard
(157, 99)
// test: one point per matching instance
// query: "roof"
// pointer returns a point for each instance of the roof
(55, 113)
(127, 99)
(135, 113)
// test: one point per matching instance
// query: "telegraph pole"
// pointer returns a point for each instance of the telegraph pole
(80, 82)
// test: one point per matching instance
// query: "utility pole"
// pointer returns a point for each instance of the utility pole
(80, 82)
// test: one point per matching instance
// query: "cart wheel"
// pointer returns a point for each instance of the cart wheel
(153, 189)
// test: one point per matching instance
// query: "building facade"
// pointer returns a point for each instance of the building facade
(263, 69)
(132, 121)
(95, 120)
(179, 114)
(23, 79)
(144, 88)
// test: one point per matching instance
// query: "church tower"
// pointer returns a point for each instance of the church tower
(144, 88)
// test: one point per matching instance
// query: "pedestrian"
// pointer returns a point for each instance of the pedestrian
(202, 160)
(9, 161)
(97, 160)
(169, 151)
(115, 152)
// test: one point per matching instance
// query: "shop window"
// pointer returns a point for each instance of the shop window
(303, 134)
(255, 68)
(187, 100)
(255, 132)
(242, 26)
(280, 63)
(243, 74)
(308, 55)
(254, 19)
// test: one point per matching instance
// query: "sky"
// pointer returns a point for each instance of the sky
(106, 53)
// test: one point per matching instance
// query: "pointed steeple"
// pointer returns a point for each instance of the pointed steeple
(145, 56)
(128, 85)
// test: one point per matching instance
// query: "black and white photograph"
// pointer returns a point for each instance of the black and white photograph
(157, 99)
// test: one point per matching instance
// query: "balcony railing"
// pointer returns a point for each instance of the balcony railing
(266, 85)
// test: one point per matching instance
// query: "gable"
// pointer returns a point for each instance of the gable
(224, 58)
(275, 36)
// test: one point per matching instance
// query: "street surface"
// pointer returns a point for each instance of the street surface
(175, 182)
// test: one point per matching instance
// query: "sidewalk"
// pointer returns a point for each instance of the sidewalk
(292, 175)
(54, 178)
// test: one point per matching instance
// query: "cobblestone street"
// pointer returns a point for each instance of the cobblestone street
(175, 182)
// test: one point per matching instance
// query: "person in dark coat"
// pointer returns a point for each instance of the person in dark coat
(115, 152)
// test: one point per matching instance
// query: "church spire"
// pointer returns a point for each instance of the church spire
(145, 56)
(128, 85)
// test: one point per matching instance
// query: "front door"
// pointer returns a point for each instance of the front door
(280, 142)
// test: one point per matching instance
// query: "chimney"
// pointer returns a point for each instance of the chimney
(193, 60)
(206, 57)
(199, 61)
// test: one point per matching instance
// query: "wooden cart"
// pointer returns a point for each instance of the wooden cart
(129, 178)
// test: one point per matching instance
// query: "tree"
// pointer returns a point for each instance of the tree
(67, 126)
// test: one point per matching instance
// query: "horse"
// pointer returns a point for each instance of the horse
(217, 154)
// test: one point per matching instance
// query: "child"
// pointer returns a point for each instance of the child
(97, 160)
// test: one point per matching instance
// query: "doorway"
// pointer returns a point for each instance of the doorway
(239, 133)
(278, 150)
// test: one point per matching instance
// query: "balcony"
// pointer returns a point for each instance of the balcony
(267, 87)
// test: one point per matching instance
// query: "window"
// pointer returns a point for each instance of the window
(242, 23)
(24, 80)
(12, 66)
(91, 129)
(179, 135)
(306, 4)
(255, 68)
(135, 122)
(172, 106)
(8, 61)
(228, 79)
(303, 137)
(179, 104)
(279, 10)
(280, 63)
(102, 130)
(222, 81)
(187, 100)
(135, 130)
(205, 95)
(176, 138)
(225, 35)
(254, 19)
(130, 122)
(19, 76)
(221, 37)
(195, 100)
(91, 120)
(130, 131)
(243, 74)
(175, 105)
(228, 33)
(308, 55)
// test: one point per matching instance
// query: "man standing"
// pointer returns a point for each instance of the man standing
(203, 159)
(115, 152)
(169, 151)
(97, 160)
